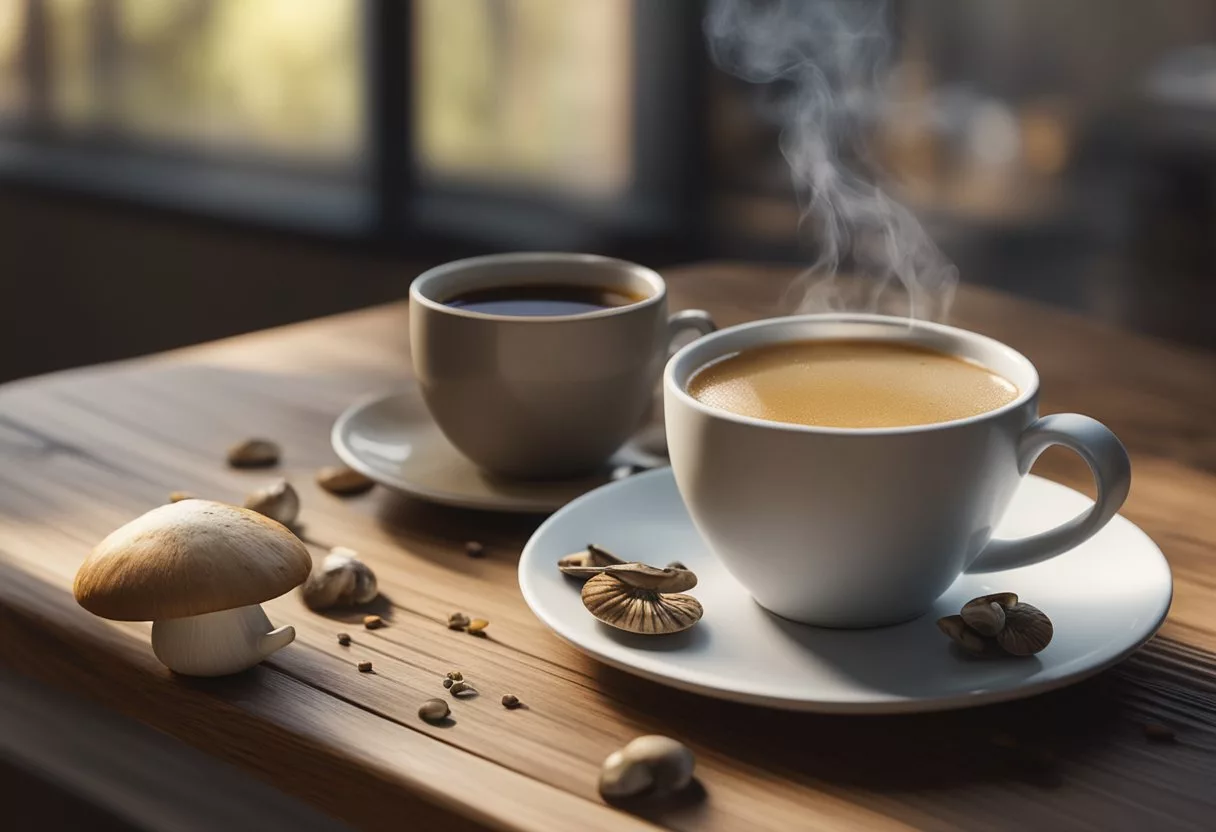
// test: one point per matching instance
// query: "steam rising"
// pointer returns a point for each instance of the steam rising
(824, 62)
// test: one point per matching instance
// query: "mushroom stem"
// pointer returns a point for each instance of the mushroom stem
(217, 643)
(277, 639)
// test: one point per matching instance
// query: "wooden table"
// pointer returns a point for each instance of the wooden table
(83, 452)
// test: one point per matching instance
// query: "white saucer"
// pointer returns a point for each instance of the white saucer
(391, 438)
(1105, 598)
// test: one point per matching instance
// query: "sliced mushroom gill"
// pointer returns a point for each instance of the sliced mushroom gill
(643, 599)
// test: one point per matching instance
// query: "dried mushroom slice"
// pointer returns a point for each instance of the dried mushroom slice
(986, 614)
(588, 562)
(986, 618)
(644, 576)
(641, 576)
(1005, 599)
(965, 637)
(637, 609)
(1027, 630)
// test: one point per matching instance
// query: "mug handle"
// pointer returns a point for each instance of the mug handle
(1112, 470)
(694, 319)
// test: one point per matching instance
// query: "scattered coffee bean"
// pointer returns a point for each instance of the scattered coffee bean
(455, 675)
(510, 701)
(344, 639)
(253, 453)
(364, 667)
(474, 549)
(434, 710)
(447, 683)
(477, 626)
(1157, 732)
(458, 621)
(373, 622)
(458, 688)
(343, 481)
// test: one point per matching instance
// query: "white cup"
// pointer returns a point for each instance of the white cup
(843, 527)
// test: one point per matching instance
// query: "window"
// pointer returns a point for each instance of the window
(270, 77)
(532, 93)
(12, 82)
(388, 118)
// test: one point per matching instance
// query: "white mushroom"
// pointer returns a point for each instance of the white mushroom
(342, 581)
(651, 766)
(198, 570)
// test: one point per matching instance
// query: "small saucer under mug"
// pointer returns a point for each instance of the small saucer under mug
(391, 438)
(1105, 597)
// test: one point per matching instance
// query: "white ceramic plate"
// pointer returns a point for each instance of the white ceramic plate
(1105, 598)
(392, 439)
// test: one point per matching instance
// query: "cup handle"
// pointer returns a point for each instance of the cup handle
(694, 319)
(1112, 470)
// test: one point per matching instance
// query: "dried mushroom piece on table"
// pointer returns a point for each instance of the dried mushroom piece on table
(649, 766)
(343, 481)
(342, 580)
(278, 501)
(434, 710)
(254, 453)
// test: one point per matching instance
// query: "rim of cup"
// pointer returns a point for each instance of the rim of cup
(424, 289)
(1027, 381)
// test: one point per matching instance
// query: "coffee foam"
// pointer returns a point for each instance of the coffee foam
(850, 384)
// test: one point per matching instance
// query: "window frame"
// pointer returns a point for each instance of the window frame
(385, 203)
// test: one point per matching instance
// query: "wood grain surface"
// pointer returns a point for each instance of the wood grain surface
(83, 452)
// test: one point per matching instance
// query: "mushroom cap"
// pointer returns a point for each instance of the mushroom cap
(189, 558)
(636, 610)
(588, 562)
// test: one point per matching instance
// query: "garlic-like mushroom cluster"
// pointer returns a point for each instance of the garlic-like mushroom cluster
(278, 501)
(998, 624)
(651, 766)
(341, 581)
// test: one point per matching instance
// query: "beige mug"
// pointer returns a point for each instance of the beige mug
(541, 397)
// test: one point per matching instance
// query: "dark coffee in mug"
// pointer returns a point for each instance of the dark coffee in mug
(542, 299)
(850, 384)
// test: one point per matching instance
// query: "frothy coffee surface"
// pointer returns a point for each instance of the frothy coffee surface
(850, 384)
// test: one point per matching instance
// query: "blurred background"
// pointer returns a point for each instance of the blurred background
(177, 170)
